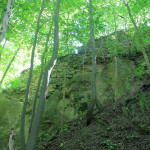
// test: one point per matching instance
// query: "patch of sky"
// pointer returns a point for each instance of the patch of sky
(77, 44)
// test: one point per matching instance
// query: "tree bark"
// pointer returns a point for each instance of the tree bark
(40, 108)
(4, 75)
(94, 99)
(139, 36)
(65, 74)
(29, 82)
(116, 65)
(11, 140)
(6, 18)
(40, 78)
(2, 50)
(67, 35)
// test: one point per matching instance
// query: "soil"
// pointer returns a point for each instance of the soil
(123, 125)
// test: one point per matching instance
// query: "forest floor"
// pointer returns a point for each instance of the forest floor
(123, 125)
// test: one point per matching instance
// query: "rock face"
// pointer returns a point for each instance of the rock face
(69, 90)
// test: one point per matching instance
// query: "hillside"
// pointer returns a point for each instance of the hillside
(123, 125)
(124, 122)
(74, 75)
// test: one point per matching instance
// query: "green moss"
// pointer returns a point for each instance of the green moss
(79, 78)
(9, 118)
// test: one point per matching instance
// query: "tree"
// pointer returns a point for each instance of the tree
(40, 78)
(9, 65)
(74, 22)
(6, 18)
(65, 79)
(115, 58)
(40, 108)
(29, 82)
(11, 139)
(138, 35)
(94, 99)
(2, 50)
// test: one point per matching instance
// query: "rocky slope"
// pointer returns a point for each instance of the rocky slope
(123, 125)
(69, 90)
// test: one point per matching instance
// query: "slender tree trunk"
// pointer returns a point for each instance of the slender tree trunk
(116, 65)
(83, 61)
(63, 103)
(2, 50)
(40, 78)
(29, 82)
(6, 18)
(139, 36)
(4, 75)
(40, 108)
(94, 99)
(65, 74)
(63, 100)
(11, 139)
(67, 35)
(83, 57)
(125, 24)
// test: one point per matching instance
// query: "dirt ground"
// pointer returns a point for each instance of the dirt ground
(123, 125)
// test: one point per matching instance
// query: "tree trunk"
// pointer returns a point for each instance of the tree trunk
(139, 37)
(2, 50)
(4, 75)
(29, 82)
(67, 35)
(40, 78)
(65, 74)
(6, 18)
(63, 100)
(11, 140)
(40, 108)
(116, 65)
(94, 99)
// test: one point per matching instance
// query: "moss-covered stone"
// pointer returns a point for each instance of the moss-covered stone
(70, 99)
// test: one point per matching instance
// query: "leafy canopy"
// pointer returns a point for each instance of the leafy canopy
(74, 27)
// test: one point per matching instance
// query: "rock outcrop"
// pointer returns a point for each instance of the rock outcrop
(69, 90)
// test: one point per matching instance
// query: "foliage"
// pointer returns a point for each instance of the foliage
(9, 118)
(3, 3)
(65, 128)
(143, 102)
(109, 145)
(140, 70)
(61, 144)
(16, 83)
(24, 17)
(74, 33)
(82, 115)
(131, 137)
(43, 136)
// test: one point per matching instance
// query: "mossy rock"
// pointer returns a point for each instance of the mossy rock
(79, 78)
(10, 113)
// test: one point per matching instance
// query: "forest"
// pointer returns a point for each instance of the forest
(74, 74)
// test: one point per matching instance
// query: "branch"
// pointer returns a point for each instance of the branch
(120, 16)
(125, 2)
